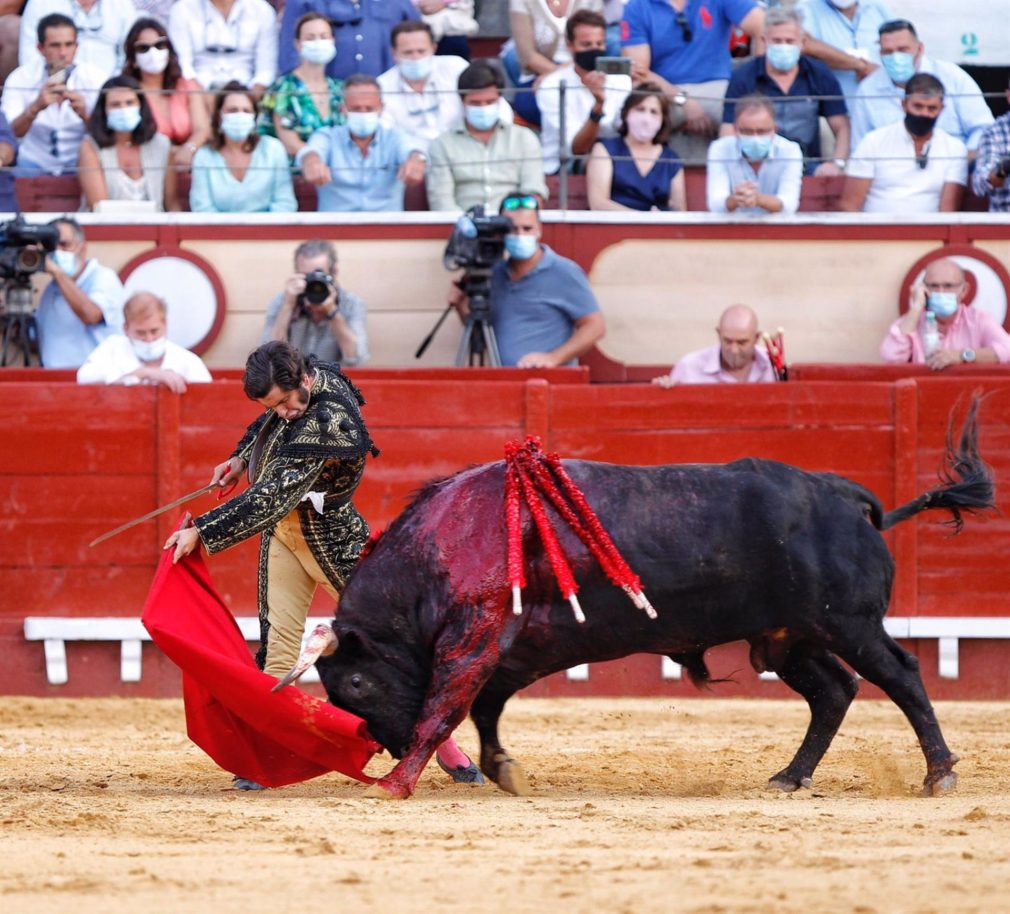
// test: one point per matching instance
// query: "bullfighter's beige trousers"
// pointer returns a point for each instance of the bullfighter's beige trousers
(292, 577)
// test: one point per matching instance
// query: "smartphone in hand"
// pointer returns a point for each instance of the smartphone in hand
(614, 66)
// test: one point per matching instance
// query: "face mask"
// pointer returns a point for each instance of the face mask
(66, 261)
(942, 304)
(919, 124)
(481, 117)
(123, 120)
(319, 51)
(417, 67)
(586, 60)
(363, 123)
(237, 125)
(755, 147)
(153, 61)
(900, 66)
(643, 126)
(148, 350)
(783, 57)
(521, 247)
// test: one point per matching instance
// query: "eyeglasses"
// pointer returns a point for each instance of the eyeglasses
(338, 24)
(142, 47)
(685, 27)
(220, 49)
(519, 202)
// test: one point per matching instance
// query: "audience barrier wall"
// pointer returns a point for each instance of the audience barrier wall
(81, 460)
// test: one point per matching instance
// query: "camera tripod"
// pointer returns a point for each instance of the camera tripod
(478, 345)
(18, 330)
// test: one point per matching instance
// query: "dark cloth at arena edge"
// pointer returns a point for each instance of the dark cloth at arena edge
(303, 475)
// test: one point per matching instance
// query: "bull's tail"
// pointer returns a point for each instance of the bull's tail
(967, 479)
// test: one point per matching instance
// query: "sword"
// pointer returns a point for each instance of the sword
(210, 487)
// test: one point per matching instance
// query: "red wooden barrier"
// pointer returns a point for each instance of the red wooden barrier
(80, 460)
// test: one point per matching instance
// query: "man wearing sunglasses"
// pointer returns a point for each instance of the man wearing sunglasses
(543, 310)
(910, 166)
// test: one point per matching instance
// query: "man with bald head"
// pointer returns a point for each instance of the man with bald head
(144, 355)
(735, 359)
(967, 334)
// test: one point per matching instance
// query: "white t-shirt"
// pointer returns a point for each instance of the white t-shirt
(901, 183)
(579, 102)
(114, 358)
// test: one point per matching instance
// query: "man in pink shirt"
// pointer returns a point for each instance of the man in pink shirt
(735, 359)
(966, 334)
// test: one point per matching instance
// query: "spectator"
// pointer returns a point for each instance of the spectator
(239, 171)
(538, 46)
(843, 35)
(361, 166)
(124, 157)
(735, 359)
(911, 166)
(10, 28)
(361, 28)
(101, 26)
(47, 100)
(878, 98)
(223, 41)
(685, 48)
(419, 93)
(177, 105)
(451, 22)
(967, 334)
(992, 165)
(81, 306)
(8, 153)
(754, 171)
(145, 355)
(543, 310)
(637, 170)
(305, 100)
(592, 99)
(803, 91)
(484, 159)
(332, 330)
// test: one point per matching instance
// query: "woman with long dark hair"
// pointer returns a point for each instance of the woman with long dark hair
(123, 157)
(176, 102)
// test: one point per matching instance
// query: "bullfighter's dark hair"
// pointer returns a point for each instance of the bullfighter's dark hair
(276, 363)
(98, 127)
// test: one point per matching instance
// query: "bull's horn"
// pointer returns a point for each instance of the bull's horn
(321, 643)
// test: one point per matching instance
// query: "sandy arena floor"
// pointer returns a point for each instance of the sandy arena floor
(638, 806)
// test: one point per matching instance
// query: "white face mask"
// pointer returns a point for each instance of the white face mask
(149, 350)
(66, 261)
(153, 60)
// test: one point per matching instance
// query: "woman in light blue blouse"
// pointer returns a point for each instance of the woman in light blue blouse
(239, 171)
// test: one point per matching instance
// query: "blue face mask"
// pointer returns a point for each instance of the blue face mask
(237, 125)
(942, 304)
(417, 67)
(900, 66)
(362, 123)
(318, 51)
(123, 120)
(755, 147)
(783, 57)
(481, 117)
(521, 247)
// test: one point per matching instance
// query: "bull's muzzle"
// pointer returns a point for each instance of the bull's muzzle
(321, 643)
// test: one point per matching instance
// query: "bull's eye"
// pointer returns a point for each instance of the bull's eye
(356, 681)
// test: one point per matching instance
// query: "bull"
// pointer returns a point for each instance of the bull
(792, 562)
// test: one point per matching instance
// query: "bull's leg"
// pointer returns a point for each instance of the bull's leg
(495, 761)
(880, 660)
(828, 689)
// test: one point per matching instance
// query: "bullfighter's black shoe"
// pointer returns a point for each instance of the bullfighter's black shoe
(468, 775)
(238, 783)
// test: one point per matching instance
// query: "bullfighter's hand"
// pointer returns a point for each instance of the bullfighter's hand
(664, 380)
(942, 358)
(184, 541)
(228, 472)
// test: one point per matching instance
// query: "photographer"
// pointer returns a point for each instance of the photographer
(314, 314)
(543, 311)
(992, 165)
(81, 306)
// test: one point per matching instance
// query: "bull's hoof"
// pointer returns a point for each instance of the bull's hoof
(468, 774)
(788, 784)
(940, 785)
(379, 791)
(512, 779)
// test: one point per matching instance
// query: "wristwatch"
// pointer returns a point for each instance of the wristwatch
(840, 163)
(680, 99)
(596, 116)
(968, 355)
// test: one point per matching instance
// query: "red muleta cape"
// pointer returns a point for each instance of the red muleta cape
(272, 738)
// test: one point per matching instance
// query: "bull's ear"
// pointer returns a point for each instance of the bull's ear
(349, 640)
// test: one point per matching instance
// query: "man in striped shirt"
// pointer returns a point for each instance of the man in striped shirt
(992, 165)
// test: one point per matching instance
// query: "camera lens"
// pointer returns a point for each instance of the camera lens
(317, 287)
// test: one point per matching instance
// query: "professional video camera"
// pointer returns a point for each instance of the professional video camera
(23, 250)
